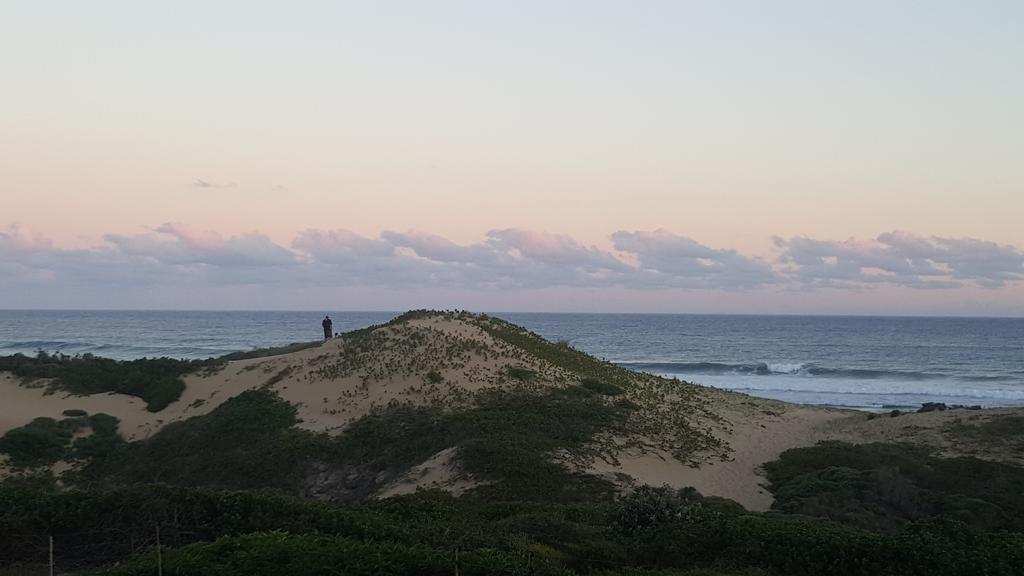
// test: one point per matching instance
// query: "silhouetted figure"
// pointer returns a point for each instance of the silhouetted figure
(328, 327)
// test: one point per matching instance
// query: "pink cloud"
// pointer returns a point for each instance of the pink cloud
(504, 262)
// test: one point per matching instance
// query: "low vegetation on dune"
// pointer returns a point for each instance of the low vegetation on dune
(888, 486)
(157, 381)
(44, 441)
(1001, 432)
(508, 440)
(41, 441)
(250, 441)
(268, 352)
(669, 415)
(245, 489)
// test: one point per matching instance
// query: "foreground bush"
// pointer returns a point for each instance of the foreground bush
(658, 529)
(281, 554)
(41, 441)
(887, 486)
(796, 546)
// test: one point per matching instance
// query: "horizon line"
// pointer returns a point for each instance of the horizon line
(564, 313)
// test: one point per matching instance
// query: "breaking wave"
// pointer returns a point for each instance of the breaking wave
(773, 369)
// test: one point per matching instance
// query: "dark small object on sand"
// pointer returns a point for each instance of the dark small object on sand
(932, 407)
(895, 413)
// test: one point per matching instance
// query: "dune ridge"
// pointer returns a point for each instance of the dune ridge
(680, 434)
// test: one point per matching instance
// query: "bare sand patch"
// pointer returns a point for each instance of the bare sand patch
(440, 471)
(756, 430)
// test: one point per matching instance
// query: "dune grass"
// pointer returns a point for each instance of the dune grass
(157, 381)
(268, 352)
(1001, 431)
(508, 439)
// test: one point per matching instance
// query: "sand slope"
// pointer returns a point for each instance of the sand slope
(757, 431)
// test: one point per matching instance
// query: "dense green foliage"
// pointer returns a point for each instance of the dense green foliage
(301, 555)
(674, 531)
(103, 442)
(885, 486)
(795, 546)
(157, 381)
(507, 439)
(511, 438)
(41, 441)
(45, 440)
(248, 441)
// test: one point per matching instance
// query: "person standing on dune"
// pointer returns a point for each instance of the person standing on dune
(328, 327)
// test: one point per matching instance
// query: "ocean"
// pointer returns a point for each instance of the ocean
(861, 362)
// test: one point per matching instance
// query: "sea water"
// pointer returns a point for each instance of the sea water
(864, 362)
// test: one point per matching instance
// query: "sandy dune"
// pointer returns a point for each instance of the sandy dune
(341, 380)
(757, 431)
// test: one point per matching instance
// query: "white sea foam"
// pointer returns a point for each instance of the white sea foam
(861, 393)
(787, 368)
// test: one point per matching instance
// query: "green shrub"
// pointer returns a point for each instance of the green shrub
(41, 441)
(520, 373)
(103, 442)
(508, 438)
(648, 507)
(90, 528)
(797, 546)
(282, 554)
(601, 387)
(157, 381)
(247, 442)
(885, 486)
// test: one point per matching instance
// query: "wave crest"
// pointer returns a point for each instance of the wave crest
(780, 368)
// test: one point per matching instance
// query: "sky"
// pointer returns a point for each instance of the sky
(720, 156)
